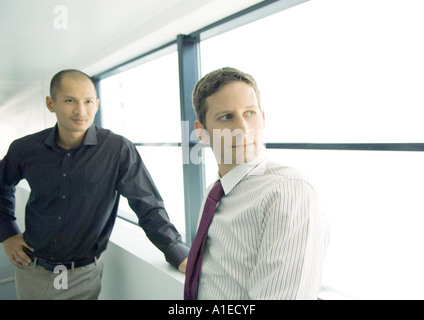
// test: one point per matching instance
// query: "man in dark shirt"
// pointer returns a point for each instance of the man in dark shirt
(76, 172)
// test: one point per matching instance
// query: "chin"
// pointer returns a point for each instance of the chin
(235, 156)
(244, 156)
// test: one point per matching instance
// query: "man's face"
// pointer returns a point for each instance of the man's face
(235, 124)
(75, 105)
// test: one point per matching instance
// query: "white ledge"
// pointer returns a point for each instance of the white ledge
(135, 269)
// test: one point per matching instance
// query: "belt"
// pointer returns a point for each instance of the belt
(50, 266)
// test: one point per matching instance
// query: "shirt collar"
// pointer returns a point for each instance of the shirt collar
(254, 167)
(89, 139)
(91, 136)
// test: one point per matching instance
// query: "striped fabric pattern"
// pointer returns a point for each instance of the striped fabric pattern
(75, 195)
(268, 238)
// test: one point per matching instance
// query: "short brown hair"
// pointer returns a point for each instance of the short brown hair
(214, 81)
(55, 84)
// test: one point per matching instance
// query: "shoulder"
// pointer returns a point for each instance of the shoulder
(30, 141)
(282, 184)
(111, 139)
(41, 135)
(289, 193)
(117, 147)
(283, 175)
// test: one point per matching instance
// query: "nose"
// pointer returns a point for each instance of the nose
(240, 124)
(240, 130)
(79, 109)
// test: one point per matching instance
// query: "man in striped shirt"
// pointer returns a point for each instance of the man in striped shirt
(268, 238)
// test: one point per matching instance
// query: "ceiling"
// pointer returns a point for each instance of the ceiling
(39, 38)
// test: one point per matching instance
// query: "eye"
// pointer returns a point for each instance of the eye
(250, 113)
(69, 100)
(226, 117)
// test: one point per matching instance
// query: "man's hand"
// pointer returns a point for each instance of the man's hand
(13, 247)
(182, 266)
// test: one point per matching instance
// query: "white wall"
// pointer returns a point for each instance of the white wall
(24, 115)
(135, 269)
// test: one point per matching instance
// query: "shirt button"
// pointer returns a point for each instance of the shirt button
(63, 197)
(69, 154)
(59, 218)
(64, 174)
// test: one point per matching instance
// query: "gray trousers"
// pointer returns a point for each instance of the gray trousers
(36, 283)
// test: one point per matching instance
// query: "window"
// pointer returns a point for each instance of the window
(373, 204)
(346, 72)
(340, 81)
(333, 71)
(142, 103)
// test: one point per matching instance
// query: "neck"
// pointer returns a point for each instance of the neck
(225, 168)
(70, 140)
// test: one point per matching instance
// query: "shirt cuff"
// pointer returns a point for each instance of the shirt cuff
(176, 254)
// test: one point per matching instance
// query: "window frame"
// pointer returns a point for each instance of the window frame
(188, 48)
(159, 52)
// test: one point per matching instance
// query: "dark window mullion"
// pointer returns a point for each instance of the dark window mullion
(194, 174)
(349, 146)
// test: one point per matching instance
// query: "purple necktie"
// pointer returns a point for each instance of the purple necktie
(195, 256)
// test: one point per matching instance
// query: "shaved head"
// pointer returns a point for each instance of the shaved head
(55, 84)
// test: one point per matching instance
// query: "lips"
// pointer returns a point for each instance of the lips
(244, 145)
(79, 119)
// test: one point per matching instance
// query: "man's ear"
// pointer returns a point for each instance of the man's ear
(201, 132)
(49, 104)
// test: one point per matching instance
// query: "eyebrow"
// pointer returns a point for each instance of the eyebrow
(71, 97)
(247, 108)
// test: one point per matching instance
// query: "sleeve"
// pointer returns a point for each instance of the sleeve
(294, 244)
(136, 184)
(10, 175)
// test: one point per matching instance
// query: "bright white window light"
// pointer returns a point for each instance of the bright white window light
(346, 71)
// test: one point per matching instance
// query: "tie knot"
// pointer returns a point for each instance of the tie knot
(216, 192)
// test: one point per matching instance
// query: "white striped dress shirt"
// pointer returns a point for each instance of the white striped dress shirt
(268, 238)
